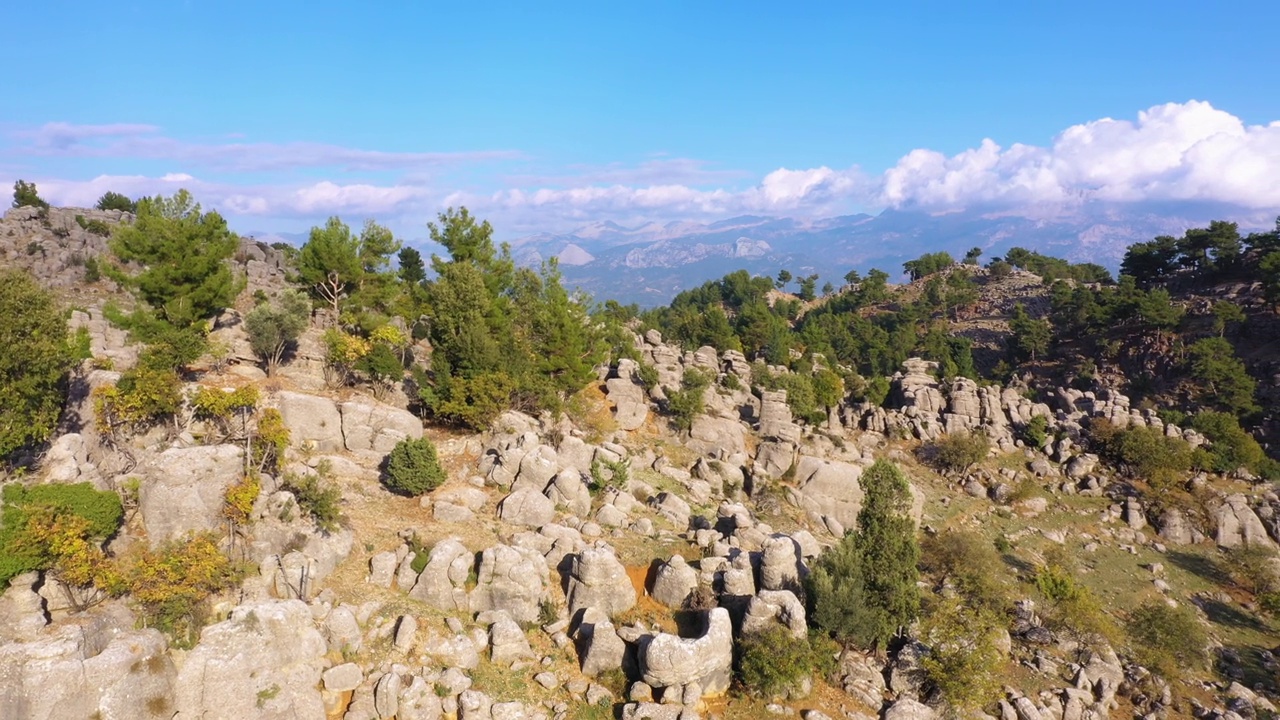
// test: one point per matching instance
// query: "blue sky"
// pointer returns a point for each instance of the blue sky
(543, 117)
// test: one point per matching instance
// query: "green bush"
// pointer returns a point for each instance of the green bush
(318, 497)
(1036, 431)
(964, 663)
(774, 663)
(25, 195)
(970, 563)
(957, 452)
(34, 360)
(101, 512)
(1233, 447)
(412, 468)
(115, 201)
(1168, 639)
(686, 403)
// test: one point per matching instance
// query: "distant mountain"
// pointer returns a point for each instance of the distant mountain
(650, 263)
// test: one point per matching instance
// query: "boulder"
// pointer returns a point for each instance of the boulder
(442, 583)
(674, 582)
(630, 406)
(717, 437)
(908, 709)
(88, 669)
(507, 642)
(183, 490)
(264, 661)
(780, 564)
(830, 488)
(600, 649)
(313, 421)
(670, 660)
(511, 579)
(527, 507)
(1237, 524)
(775, 606)
(377, 427)
(598, 580)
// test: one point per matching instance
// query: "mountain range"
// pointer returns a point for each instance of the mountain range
(650, 263)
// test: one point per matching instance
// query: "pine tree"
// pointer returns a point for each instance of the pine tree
(1030, 336)
(329, 263)
(886, 542)
(184, 253)
(34, 360)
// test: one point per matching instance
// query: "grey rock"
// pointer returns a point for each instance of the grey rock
(344, 677)
(312, 421)
(775, 606)
(780, 564)
(599, 647)
(511, 579)
(183, 489)
(829, 488)
(526, 507)
(908, 709)
(507, 642)
(377, 427)
(382, 569)
(267, 648)
(442, 583)
(597, 579)
(669, 660)
(674, 582)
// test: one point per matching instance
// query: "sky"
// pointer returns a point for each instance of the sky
(546, 116)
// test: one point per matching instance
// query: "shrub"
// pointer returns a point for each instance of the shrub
(237, 502)
(1142, 451)
(686, 403)
(412, 468)
(963, 663)
(957, 452)
(317, 497)
(115, 201)
(1036, 431)
(1233, 447)
(1168, 639)
(774, 663)
(272, 441)
(1253, 568)
(171, 583)
(25, 195)
(648, 375)
(139, 398)
(970, 562)
(273, 327)
(42, 524)
(34, 360)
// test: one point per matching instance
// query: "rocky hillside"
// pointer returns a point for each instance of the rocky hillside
(602, 563)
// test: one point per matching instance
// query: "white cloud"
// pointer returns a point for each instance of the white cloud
(1188, 151)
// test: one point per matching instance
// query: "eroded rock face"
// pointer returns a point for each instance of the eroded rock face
(184, 488)
(598, 580)
(442, 583)
(829, 488)
(1237, 524)
(630, 406)
(377, 427)
(670, 660)
(88, 669)
(263, 662)
(674, 582)
(313, 421)
(512, 579)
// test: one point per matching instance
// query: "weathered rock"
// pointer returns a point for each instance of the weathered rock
(264, 662)
(674, 582)
(908, 709)
(829, 488)
(382, 569)
(630, 406)
(376, 427)
(1237, 525)
(22, 609)
(87, 669)
(669, 660)
(780, 564)
(775, 606)
(442, 583)
(527, 507)
(313, 421)
(597, 579)
(344, 677)
(507, 642)
(717, 437)
(455, 651)
(599, 647)
(862, 678)
(511, 579)
(184, 489)
(568, 490)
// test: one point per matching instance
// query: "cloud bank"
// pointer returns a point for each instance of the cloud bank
(1175, 152)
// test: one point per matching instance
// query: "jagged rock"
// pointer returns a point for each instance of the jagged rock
(1133, 514)
(673, 508)
(418, 701)
(527, 507)
(599, 647)
(377, 427)
(184, 489)
(507, 642)
(909, 709)
(774, 459)
(598, 580)
(456, 651)
(22, 609)
(386, 696)
(537, 468)
(88, 668)
(263, 662)
(775, 417)
(829, 488)
(862, 678)
(1237, 525)
(780, 564)
(570, 492)
(630, 406)
(313, 421)
(511, 579)
(674, 582)
(669, 660)
(1081, 466)
(343, 629)
(775, 606)
(906, 675)
(442, 583)
(718, 437)
(382, 569)
(67, 461)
